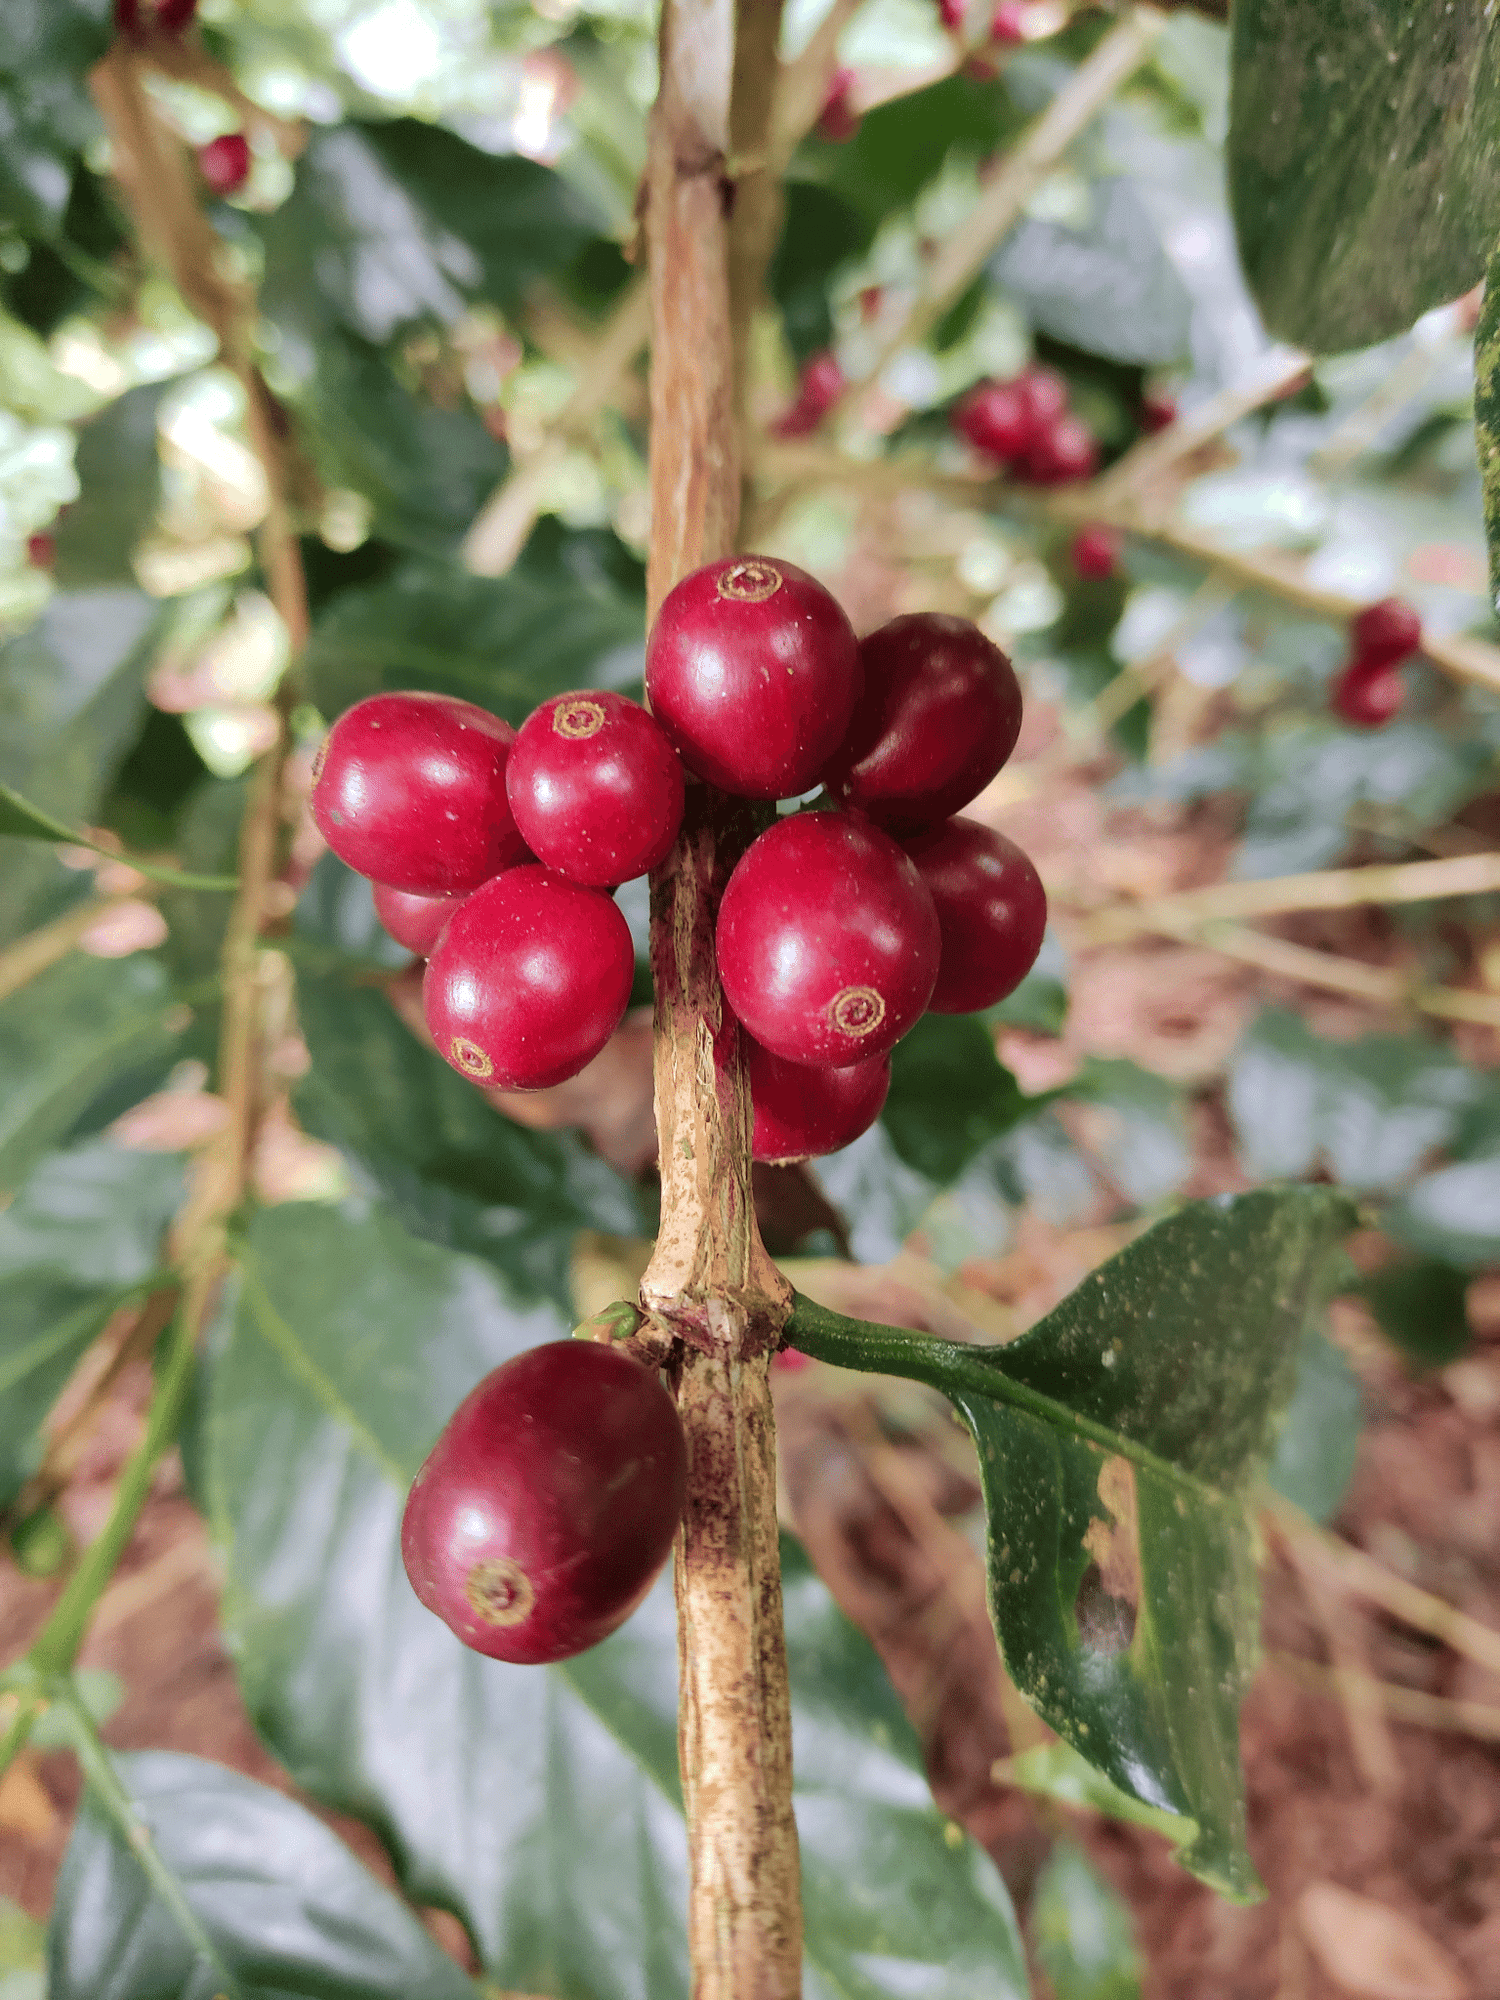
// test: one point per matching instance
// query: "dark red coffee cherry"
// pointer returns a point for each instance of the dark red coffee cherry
(1157, 411)
(828, 941)
(595, 788)
(225, 162)
(128, 16)
(1064, 450)
(173, 16)
(1094, 553)
(939, 715)
(529, 981)
(753, 672)
(1386, 632)
(838, 121)
(415, 921)
(997, 419)
(801, 1113)
(992, 913)
(1368, 693)
(819, 387)
(409, 789)
(951, 13)
(550, 1502)
(41, 551)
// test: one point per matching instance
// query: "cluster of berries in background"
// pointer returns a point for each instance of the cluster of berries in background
(1369, 690)
(1027, 426)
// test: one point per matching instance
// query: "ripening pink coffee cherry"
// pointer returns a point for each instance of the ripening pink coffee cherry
(409, 789)
(827, 940)
(1063, 451)
(595, 788)
(802, 1113)
(940, 714)
(529, 980)
(546, 1509)
(1369, 693)
(991, 908)
(1095, 554)
(225, 162)
(1046, 394)
(1008, 22)
(415, 921)
(838, 121)
(1386, 632)
(753, 671)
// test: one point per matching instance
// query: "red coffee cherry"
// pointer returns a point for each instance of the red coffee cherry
(827, 939)
(802, 1113)
(951, 13)
(225, 162)
(1157, 411)
(992, 913)
(415, 921)
(1094, 553)
(41, 551)
(549, 1504)
(529, 981)
(838, 121)
(409, 789)
(1065, 450)
(1046, 394)
(753, 672)
(1368, 693)
(173, 16)
(997, 419)
(819, 387)
(940, 714)
(1008, 23)
(595, 788)
(1386, 632)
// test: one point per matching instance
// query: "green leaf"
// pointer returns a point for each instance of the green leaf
(1083, 1933)
(1363, 171)
(78, 1029)
(1141, 1136)
(119, 474)
(1420, 1304)
(454, 1170)
(46, 114)
(950, 1095)
(23, 1954)
(504, 642)
(1453, 1214)
(900, 147)
(1487, 413)
(1056, 1771)
(1116, 1440)
(287, 1909)
(1317, 1440)
(541, 1804)
(20, 820)
(46, 1322)
(393, 224)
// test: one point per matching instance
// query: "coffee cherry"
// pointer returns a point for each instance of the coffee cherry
(951, 13)
(415, 921)
(1046, 394)
(41, 551)
(173, 16)
(595, 788)
(1368, 693)
(992, 913)
(828, 941)
(753, 673)
(225, 162)
(409, 789)
(1386, 632)
(1008, 23)
(996, 418)
(1157, 411)
(547, 1507)
(939, 715)
(819, 387)
(1064, 450)
(529, 981)
(1094, 553)
(802, 1113)
(838, 121)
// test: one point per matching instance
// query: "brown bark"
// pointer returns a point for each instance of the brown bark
(710, 1278)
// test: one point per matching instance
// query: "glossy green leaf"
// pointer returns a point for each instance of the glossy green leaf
(1363, 171)
(1419, 1303)
(950, 1095)
(454, 1170)
(1056, 1771)
(1082, 1930)
(542, 1805)
(20, 820)
(288, 1912)
(504, 642)
(46, 115)
(1317, 1439)
(1116, 1440)
(46, 1323)
(1487, 412)
(77, 1030)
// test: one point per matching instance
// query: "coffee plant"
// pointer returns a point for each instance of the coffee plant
(421, 426)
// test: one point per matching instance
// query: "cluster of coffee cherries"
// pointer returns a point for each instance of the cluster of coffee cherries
(840, 926)
(494, 853)
(1026, 425)
(1369, 690)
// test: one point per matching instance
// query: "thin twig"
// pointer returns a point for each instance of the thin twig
(802, 90)
(39, 950)
(1277, 374)
(1361, 1690)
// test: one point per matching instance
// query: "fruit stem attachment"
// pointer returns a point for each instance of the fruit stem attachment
(710, 1278)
